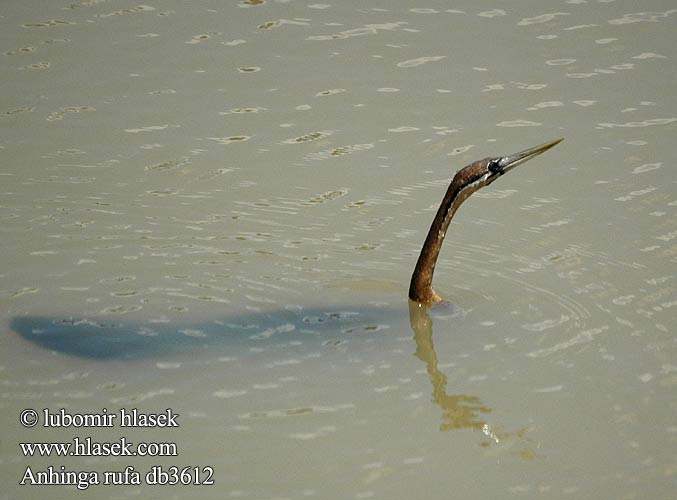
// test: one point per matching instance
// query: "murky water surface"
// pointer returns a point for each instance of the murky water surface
(215, 207)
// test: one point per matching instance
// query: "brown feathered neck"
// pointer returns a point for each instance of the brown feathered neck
(466, 181)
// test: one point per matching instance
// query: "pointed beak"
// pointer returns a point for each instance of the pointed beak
(507, 163)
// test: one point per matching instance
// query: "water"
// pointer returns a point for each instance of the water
(216, 208)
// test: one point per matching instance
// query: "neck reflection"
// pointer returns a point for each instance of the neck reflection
(459, 411)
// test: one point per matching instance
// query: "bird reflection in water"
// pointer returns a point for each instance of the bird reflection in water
(459, 411)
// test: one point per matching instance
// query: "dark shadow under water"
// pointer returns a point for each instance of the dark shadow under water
(106, 339)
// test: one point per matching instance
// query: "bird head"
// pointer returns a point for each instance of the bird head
(483, 172)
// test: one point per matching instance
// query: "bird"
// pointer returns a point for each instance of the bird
(465, 182)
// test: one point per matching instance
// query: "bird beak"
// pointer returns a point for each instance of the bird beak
(507, 163)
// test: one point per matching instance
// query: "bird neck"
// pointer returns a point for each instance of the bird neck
(420, 288)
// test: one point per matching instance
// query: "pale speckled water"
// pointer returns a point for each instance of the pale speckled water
(215, 207)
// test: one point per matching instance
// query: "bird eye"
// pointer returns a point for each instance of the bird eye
(494, 166)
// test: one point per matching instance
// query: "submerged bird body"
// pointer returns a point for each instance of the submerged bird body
(466, 181)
